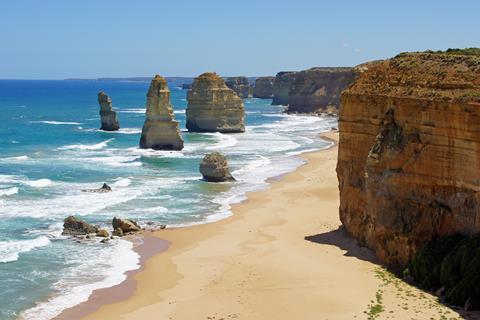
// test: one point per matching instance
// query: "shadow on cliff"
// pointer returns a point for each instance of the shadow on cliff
(341, 239)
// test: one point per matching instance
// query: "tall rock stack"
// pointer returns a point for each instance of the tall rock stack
(263, 87)
(408, 160)
(319, 89)
(160, 130)
(213, 107)
(281, 87)
(240, 85)
(108, 116)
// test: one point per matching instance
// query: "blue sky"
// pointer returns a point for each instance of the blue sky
(56, 39)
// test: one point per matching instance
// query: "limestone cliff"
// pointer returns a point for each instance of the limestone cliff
(160, 130)
(213, 107)
(108, 117)
(263, 87)
(281, 87)
(318, 89)
(409, 152)
(240, 85)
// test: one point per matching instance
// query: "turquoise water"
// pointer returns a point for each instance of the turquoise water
(51, 149)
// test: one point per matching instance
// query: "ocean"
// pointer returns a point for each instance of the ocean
(51, 149)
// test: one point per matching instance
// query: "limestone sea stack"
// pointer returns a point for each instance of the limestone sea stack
(213, 107)
(408, 160)
(263, 87)
(281, 87)
(214, 168)
(318, 89)
(240, 85)
(108, 116)
(160, 130)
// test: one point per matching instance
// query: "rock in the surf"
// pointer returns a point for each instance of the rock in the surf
(160, 130)
(104, 189)
(102, 233)
(75, 227)
(108, 116)
(214, 168)
(126, 225)
(213, 107)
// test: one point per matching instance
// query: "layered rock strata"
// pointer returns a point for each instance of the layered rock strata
(214, 168)
(263, 87)
(108, 117)
(240, 85)
(213, 107)
(318, 89)
(160, 130)
(409, 152)
(281, 87)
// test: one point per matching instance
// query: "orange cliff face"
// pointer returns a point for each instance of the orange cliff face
(409, 152)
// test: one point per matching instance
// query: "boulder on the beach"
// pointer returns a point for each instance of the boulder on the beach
(108, 116)
(126, 225)
(214, 168)
(117, 232)
(102, 233)
(105, 188)
(75, 227)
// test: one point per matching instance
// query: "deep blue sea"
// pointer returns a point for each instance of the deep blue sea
(51, 149)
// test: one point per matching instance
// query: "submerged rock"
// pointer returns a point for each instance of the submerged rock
(240, 85)
(160, 130)
(281, 87)
(105, 188)
(126, 225)
(263, 88)
(214, 168)
(75, 227)
(213, 107)
(108, 116)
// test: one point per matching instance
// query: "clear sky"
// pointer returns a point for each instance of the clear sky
(56, 39)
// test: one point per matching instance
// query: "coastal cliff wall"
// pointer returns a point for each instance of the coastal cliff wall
(240, 85)
(263, 87)
(281, 87)
(318, 89)
(409, 152)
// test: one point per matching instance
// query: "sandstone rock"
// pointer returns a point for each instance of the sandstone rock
(105, 188)
(118, 232)
(103, 233)
(74, 227)
(108, 116)
(160, 130)
(240, 85)
(126, 225)
(318, 89)
(213, 107)
(281, 87)
(263, 87)
(214, 168)
(408, 160)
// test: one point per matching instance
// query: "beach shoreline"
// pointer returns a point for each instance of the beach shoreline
(263, 262)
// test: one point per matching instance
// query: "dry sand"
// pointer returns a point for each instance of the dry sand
(282, 255)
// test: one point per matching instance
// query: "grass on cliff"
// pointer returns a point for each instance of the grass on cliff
(453, 264)
(451, 51)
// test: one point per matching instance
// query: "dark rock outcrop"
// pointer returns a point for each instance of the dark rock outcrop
(126, 225)
(108, 116)
(240, 85)
(103, 189)
(160, 130)
(263, 87)
(213, 107)
(318, 89)
(76, 227)
(408, 160)
(214, 168)
(281, 87)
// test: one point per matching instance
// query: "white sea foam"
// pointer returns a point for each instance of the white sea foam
(10, 250)
(224, 141)
(78, 283)
(182, 111)
(122, 182)
(97, 146)
(8, 191)
(133, 110)
(19, 158)
(41, 183)
(58, 122)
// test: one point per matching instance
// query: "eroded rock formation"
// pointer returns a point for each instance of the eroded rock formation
(240, 85)
(281, 87)
(213, 107)
(409, 152)
(214, 168)
(160, 130)
(318, 89)
(108, 116)
(75, 227)
(125, 225)
(263, 87)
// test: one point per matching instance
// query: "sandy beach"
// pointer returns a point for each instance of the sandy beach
(281, 255)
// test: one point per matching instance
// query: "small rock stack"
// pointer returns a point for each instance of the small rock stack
(107, 114)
